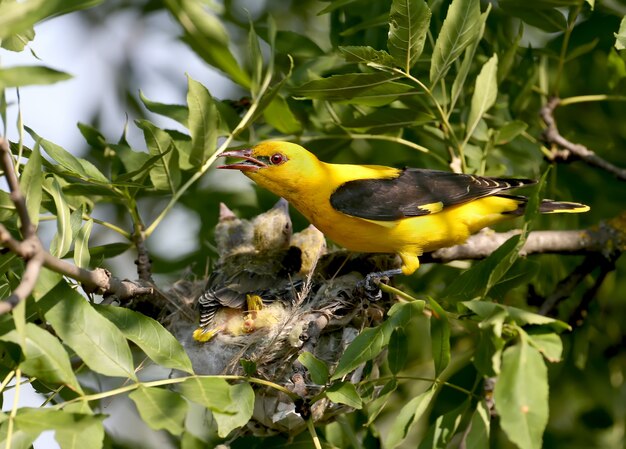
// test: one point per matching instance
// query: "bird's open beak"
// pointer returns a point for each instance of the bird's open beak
(248, 163)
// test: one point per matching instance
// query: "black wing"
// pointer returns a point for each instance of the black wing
(415, 192)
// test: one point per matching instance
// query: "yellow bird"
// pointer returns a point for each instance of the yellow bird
(378, 209)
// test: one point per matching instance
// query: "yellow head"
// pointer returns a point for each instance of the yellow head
(283, 168)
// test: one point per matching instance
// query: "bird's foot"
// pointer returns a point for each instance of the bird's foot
(372, 281)
(204, 334)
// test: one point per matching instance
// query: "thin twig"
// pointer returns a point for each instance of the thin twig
(568, 150)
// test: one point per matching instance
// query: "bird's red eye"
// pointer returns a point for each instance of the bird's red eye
(277, 159)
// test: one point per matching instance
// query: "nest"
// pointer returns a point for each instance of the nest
(312, 302)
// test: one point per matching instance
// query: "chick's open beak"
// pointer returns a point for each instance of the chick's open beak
(248, 163)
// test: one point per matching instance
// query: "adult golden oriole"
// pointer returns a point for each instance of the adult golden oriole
(372, 208)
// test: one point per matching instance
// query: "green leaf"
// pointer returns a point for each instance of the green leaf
(510, 131)
(19, 439)
(369, 343)
(550, 345)
(479, 279)
(344, 87)
(150, 336)
(468, 60)
(397, 350)
(344, 393)
(212, 392)
(620, 36)
(203, 122)
(521, 395)
(317, 369)
(30, 184)
(546, 19)
(29, 75)
(176, 112)
(91, 436)
(44, 357)
(243, 396)
(485, 309)
(408, 26)
(256, 61)
(460, 29)
(367, 24)
(161, 409)
(439, 336)
(165, 173)
(208, 37)
(81, 245)
(18, 17)
(62, 240)
(37, 420)
(279, 115)
(407, 417)
(367, 55)
(387, 119)
(96, 340)
(488, 356)
(443, 429)
(485, 93)
(18, 41)
(80, 168)
(477, 436)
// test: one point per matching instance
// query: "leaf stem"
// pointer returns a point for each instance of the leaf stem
(14, 408)
(316, 440)
(590, 98)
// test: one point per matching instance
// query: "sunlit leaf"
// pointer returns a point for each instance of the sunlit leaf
(161, 408)
(485, 93)
(243, 396)
(620, 36)
(550, 345)
(367, 55)
(317, 369)
(343, 87)
(165, 174)
(486, 309)
(208, 37)
(95, 339)
(203, 122)
(521, 395)
(81, 245)
(29, 75)
(408, 26)
(45, 357)
(18, 41)
(460, 28)
(344, 393)
(18, 17)
(510, 131)
(177, 112)
(212, 392)
(62, 240)
(90, 436)
(150, 336)
(279, 115)
(30, 184)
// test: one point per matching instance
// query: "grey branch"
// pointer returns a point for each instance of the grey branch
(570, 149)
(608, 237)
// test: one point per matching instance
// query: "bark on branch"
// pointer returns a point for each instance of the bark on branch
(570, 150)
(99, 281)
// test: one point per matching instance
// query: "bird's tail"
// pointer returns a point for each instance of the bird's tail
(547, 206)
(556, 207)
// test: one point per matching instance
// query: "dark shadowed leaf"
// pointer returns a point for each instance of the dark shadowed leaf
(367, 55)
(439, 336)
(477, 436)
(397, 350)
(443, 429)
(407, 417)
(547, 19)
(345, 87)
(176, 112)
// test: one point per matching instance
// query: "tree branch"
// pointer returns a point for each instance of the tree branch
(99, 281)
(553, 137)
(606, 238)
